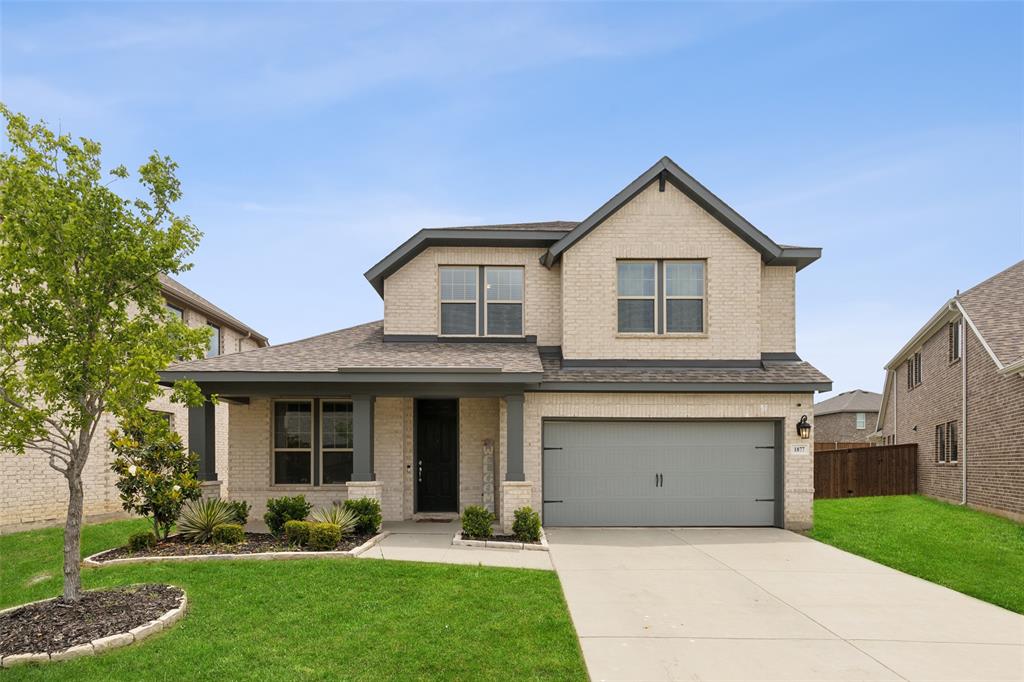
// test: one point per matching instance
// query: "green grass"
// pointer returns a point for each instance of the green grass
(966, 550)
(314, 618)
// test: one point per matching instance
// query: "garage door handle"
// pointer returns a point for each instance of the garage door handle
(764, 499)
(553, 501)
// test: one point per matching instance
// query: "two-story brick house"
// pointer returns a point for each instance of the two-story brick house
(956, 389)
(636, 368)
(33, 494)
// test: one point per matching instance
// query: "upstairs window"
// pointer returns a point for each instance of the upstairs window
(914, 370)
(459, 301)
(214, 347)
(176, 312)
(862, 421)
(504, 304)
(955, 340)
(637, 297)
(684, 296)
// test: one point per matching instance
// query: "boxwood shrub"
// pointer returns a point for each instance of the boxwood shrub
(141, 541)
(280, 510)
(228, 534)
(476, 522)
(323, 537)
(297, 532)
(367, 511)
(526, 526)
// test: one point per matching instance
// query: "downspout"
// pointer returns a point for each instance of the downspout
(963, 417)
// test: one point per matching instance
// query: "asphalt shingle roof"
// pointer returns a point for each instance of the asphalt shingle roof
(996, 306)
(363, 346)
(850, 401)
(549, 226)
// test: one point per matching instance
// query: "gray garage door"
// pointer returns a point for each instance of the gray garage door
(659, 473)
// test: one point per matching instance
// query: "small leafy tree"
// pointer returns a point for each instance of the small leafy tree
(83, 324)
(156, 472)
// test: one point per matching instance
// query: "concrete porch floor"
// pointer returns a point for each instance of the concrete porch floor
(432, 541)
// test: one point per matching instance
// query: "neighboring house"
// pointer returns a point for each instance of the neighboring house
(637, 368)
(957, 390)
(849, 417)
(36, 495)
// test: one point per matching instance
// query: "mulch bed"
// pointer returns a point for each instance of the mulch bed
(57, 625)
(500, 538)
(254, 543)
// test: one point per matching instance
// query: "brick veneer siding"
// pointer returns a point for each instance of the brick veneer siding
(411, 294)
(841, 427)
(995, 435)
(669, 225)
(34, 495)
(799, 469)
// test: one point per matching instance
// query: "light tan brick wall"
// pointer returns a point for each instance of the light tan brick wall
(33, 495)
(514, 495)
(778, 309)
(661, 225)
(389, 454)
(411, 295)
(799, 469)
(478, 421)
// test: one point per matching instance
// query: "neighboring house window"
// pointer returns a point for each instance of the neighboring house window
(955, 336)
(952, 446)
(167, 416)
(458, 301)
(214, 348)
(336, 441)
(293, 442)
(940, 443)
(637, 296)
(914, 371)
(504, 304)
(862, 420)
(176, 312)
(684, 296)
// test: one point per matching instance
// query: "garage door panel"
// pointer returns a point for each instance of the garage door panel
(603, 473)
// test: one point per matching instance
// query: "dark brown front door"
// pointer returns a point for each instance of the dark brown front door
(437, 455)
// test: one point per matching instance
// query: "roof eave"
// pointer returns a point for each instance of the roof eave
(924, 333)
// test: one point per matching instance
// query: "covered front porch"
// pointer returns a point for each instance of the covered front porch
(425, 450)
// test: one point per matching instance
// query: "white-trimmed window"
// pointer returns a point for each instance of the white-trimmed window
(504, 301)
(862, 421)
(293, 442)
(335, 441)
(637, 296)
(684, 297)
(214, 347)
(955, 340)
(952, 444)
(459, 300)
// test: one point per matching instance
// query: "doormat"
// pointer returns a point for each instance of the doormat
(434, 520)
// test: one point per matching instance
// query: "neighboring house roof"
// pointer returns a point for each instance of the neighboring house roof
(850, 401)
(558, 236)
(361, 353)
(363, 348)
(176, 290)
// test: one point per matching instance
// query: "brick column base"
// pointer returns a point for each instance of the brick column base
(514, 494)
(209, 489)
(371, 489)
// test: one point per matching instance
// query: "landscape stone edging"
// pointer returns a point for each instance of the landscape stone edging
(102, 644)
(498, 544)
(254, 556)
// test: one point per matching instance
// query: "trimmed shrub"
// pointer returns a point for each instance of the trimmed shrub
(367, 511)
(323, 537)
(141, 541)
(297, 532)
(241, 509)
(228, 534)
(280, 510)
(345, 519)
(476, 522)
(199, 519)
(526, 526)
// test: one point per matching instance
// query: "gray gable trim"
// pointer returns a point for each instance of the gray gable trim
(358, 376)
(433, 338)
(454, 237)
(679, 387)
(667, 170)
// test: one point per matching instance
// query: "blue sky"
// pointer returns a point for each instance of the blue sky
(313, 138)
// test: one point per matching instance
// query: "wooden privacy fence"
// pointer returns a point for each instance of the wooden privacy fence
(863, 472)
(820, 446)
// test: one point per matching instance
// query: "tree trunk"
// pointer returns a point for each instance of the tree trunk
(73, 537)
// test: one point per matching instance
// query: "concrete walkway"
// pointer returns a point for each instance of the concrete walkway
(432, 541)
(767, 604)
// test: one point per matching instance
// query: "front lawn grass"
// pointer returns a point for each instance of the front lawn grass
(314, 619)
(966, 550)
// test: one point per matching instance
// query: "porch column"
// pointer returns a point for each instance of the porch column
(202, 438)
(514, 438)
(362, 438)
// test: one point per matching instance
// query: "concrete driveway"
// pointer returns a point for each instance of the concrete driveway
(767, 604)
